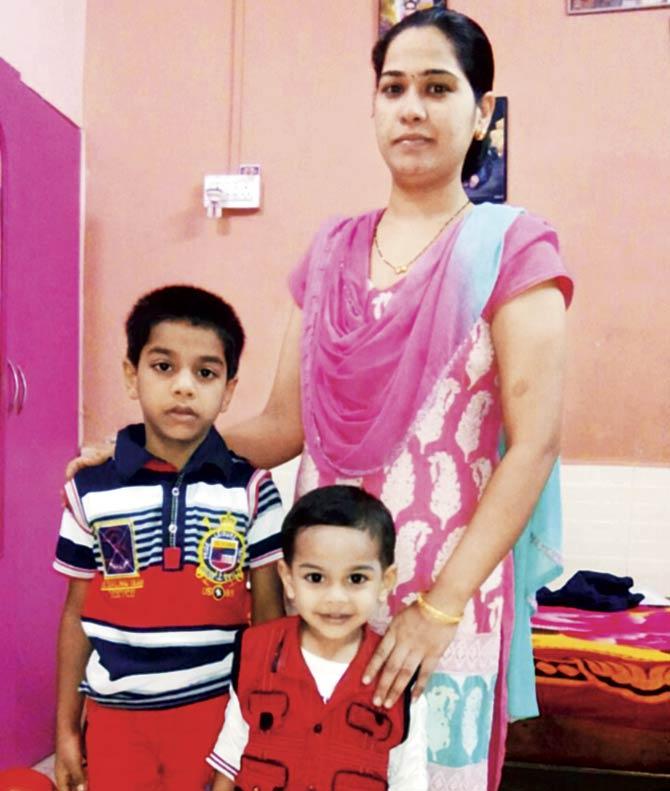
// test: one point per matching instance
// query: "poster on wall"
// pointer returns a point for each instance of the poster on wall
(596, 6)
(489, 183)
(392, 11)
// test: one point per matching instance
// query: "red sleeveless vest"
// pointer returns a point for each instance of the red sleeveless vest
(296, 741)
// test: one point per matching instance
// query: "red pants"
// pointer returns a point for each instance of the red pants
(152, 750)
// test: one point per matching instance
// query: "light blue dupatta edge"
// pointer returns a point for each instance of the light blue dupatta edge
(537, 561)
(537, 552)
(477, 254)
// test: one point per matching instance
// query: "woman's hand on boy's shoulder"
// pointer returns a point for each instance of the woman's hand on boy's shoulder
(90, 456)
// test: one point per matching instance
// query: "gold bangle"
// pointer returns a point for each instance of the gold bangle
(435, 614)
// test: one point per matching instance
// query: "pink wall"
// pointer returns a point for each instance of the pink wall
(156, 106)
(590, 121)
(588, 148)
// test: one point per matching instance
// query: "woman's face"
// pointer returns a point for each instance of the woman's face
(425, 111)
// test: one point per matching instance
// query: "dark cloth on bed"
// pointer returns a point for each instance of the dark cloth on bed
(592, 590)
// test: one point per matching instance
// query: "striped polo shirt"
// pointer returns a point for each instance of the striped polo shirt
(168, 555)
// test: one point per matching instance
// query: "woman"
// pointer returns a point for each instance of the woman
(421, 333)
(405, 397)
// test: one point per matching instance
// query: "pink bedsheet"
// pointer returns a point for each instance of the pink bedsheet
(642, 627)
(607, 667)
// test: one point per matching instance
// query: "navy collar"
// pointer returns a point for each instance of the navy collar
(130, 455)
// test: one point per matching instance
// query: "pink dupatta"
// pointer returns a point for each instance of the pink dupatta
(364, 379)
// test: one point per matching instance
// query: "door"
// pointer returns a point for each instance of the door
(40, 154)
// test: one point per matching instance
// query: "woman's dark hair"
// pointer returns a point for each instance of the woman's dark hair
(471, 47)
(342, 506)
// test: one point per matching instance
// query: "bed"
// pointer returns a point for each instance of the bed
(603, 684)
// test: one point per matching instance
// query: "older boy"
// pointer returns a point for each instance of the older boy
(160, 543)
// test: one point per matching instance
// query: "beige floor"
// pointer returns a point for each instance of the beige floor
(46, 766)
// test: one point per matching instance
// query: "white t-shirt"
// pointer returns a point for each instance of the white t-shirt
(407, 769)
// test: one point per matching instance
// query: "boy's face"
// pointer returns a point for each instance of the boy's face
(181, 384)
(335, 582)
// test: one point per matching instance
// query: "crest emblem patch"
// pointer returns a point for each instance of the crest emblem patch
(222, 553)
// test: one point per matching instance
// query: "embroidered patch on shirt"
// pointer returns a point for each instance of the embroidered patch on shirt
(222, 553)
(116, 539)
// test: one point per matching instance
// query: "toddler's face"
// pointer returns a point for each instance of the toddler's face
(335, 583)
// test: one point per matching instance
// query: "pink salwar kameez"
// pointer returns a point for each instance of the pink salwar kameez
(401, 396)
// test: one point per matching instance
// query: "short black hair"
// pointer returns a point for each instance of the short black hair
(342, 506)
(190, 304)
(473, 51)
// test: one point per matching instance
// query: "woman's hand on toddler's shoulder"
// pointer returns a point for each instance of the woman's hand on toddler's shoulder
(412, 642)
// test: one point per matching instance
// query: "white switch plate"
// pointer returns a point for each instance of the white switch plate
(235, 190)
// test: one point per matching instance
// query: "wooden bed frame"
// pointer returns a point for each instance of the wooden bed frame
(557, 749)
(536, 777)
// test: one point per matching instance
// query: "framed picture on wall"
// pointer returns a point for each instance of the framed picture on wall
(489, 183)
(392, 11)
(599, 6)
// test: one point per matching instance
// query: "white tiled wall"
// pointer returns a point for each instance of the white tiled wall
(615, 519)
(284, 477)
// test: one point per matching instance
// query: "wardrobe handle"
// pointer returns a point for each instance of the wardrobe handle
(15, 391)
(21, 402)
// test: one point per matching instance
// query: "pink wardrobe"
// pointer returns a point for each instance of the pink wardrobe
(39, 296)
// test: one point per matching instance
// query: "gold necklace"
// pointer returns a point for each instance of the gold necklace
(400, 270)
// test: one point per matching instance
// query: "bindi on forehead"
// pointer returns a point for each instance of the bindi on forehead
(421, 76)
